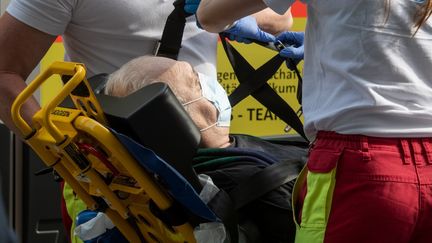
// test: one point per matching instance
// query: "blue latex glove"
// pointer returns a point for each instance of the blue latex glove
(294, 49)
(191, 6)
(246, 29)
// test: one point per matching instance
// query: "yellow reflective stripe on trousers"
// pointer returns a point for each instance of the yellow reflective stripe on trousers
(316, 205)
(74, 206)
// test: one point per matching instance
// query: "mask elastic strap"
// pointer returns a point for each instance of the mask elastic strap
(207, 128)
(192, 101)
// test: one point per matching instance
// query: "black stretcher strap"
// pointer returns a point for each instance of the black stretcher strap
(263, 182)
(254, 82)
(300, 81)
(169, 46)
(172, 35)
(256, 79)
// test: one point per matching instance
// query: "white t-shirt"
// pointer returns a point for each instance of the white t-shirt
(106, 34)
(364, 71)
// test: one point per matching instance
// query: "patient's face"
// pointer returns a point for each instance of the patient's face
(183, 81)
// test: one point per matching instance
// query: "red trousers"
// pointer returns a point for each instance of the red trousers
(382, 190)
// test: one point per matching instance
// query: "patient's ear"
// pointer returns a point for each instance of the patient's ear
(183, 81)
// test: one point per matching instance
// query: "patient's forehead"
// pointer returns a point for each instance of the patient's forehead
(179, 75)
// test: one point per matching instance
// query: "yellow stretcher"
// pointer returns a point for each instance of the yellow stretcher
(77, 144)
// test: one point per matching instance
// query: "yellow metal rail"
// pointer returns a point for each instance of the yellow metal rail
(57, 132)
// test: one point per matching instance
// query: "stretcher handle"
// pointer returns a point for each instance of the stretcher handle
(76, 70)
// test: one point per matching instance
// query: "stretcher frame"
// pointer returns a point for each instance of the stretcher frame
(109, 180)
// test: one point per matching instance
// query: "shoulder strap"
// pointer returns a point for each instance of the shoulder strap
(169, 46)
(263, 182)
(254, 82)
(170, 43)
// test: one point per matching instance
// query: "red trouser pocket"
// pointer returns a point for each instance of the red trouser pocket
(314, 209)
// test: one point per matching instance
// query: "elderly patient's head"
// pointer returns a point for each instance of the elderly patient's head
(185, 84)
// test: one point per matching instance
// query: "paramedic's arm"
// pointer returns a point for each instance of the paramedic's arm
(21, 47)
(273, 23)
(216, 15)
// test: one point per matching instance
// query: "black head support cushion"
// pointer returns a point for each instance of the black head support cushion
(154, 117)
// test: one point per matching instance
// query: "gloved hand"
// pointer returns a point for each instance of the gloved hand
(246, 29)
(191, 6)
(294, 49)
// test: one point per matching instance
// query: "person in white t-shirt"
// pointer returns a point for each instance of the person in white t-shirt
(367, 104)
(101, 34)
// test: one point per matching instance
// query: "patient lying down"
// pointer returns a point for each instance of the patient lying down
(208, 105)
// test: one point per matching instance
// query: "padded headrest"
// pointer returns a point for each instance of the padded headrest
(155, 118)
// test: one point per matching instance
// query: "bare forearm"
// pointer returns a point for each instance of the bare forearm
(10, 86)
(273, 23)
(21, 48)
(215, 15)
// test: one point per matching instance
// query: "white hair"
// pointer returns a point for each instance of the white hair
(138, 73)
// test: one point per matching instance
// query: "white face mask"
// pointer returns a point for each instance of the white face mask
(213, 92)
